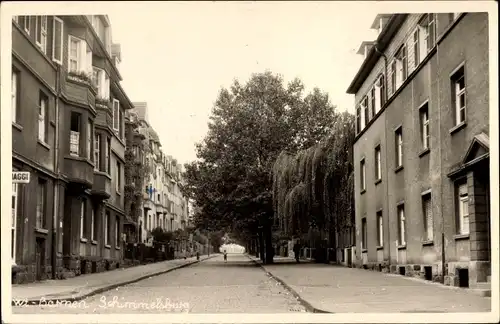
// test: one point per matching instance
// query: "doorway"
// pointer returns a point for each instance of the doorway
(39, 258)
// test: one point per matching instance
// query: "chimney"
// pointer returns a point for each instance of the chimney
(380, 21)
(364, 48)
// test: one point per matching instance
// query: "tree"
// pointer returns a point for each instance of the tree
(314, 189)
(231, 182)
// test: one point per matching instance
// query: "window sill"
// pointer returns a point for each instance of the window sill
(362, 191)
(107, 246)
(83, 240)
(427, 243)
(402, 247)
(457, 128)
(16, 125)
(458, 237)
(117, 248)
(378, 181)
(93, 242)
(364, 250)
(380, 247)
(424, 152)
(42, 143)
(41, 230)
(399, 168)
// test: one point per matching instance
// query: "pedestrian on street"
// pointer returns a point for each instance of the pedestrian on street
(225, 256)
(296, 251)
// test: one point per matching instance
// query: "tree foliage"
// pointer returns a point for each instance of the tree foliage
(314, 187)
(250, 124)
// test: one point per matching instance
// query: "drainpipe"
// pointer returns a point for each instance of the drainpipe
(443, 251)
(386, 97)
(55, 224)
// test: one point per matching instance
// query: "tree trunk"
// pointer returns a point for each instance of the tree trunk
(261, 246)
(268, 236)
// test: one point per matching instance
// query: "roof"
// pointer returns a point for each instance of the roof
(361, 49)
(383, 40)
(153, 135)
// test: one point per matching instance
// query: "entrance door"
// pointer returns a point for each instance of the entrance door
(40, 258)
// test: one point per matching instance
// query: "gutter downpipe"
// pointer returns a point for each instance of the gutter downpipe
(386, 97)
(55, 224)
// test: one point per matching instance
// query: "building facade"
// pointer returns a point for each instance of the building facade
(163, 205)
(67, 130)
(422, 148)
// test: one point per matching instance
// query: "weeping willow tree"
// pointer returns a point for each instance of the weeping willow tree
(313, 190)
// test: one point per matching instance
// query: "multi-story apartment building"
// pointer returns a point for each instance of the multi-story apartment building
(422, 148)
(68, 131)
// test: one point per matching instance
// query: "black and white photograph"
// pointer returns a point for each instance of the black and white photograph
(250, 161)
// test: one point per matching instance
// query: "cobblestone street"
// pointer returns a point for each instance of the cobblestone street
(211, 286)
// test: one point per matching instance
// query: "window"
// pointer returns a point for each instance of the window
(117, 231)
(428, 218)
(399, 147)
(116, 114)
(41, 204)
(97, 151)
(27, 23)
(57, 46)
(74, 139)
(424, 126)
(392, 76)
(373, 104)
(78, 57)
(83, 219)
(107, 224)
(362, 175)
(122, 134)
(430, 30)
(108, 154)
(89, 139)
(149, 222)
(416, 46)
(366, 112)
(41, 32)
(101, 81)
(16, 19)
(380, 229)
(93, 223)
(358, 121)
(380, 93)
(459, 98)
(15, 95)
(401, 66)
(15, 188)
(463, 209)
(401, 226)
(42, 117)
(364, 234)
(378, 163)
(118, 176)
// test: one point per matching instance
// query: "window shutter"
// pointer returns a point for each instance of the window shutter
(57, 40)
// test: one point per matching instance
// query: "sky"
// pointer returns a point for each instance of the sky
(177, 56)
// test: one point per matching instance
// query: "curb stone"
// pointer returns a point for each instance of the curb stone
(310, 308)
(36, 301)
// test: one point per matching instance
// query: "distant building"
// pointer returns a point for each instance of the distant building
(67, 130)
(421, 152)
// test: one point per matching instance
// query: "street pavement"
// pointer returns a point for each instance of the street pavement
(338, 289)
(210, 286)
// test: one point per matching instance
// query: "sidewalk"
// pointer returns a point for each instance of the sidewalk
(83, 286)
(338, 289)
